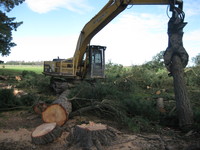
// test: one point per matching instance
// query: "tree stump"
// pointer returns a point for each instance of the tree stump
(160, 105)
(88, 135)
(46, 133)
(58, 111)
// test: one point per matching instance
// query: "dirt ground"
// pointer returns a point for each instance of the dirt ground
(16, 128)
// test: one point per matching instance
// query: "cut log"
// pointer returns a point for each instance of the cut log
(55, 113)
(98, 135)
(58, 111)
(46, 133)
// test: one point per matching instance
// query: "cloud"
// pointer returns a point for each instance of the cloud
(191, 8)
(44, 6)
(130, 39)
(42, 48)
(192, 42)
(134, 38)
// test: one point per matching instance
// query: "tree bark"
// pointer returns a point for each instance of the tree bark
(183, 106)
(90, 135)
(46, 133)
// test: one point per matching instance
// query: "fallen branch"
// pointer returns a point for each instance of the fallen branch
(83, 110)
(15, 108)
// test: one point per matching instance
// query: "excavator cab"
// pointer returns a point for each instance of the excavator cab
(93, 65)
(96, 66)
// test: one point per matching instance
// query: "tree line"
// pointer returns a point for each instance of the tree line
(24, 63)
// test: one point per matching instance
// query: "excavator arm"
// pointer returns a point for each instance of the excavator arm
(105, 15)
(78, 66)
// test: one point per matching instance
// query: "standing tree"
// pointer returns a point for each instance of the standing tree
(176, 59)
(156, 63)
(196, 60)
(7, 25)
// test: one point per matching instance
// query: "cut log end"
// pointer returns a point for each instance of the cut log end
(93, 126)
(55, 113)
(46, 133)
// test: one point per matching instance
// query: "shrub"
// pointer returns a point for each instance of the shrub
(114, 70)
(32, 80)
(137, 106)
(192, 76)
(7, 98)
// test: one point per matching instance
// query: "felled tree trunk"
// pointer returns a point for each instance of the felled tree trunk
(59, 110)
(86, 136)
(39, 107)
(46, 133)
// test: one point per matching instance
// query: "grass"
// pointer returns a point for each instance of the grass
(16, 69)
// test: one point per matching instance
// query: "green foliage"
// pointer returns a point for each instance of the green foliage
(32, 83)
(196, 59)
(139, 124)
(143, 77)
(137, 106)
(10, 4)
(114, 70)
(192, 75)
(156, 63)
(28, 100)
(32, 80)
(7, 98)
(97, 91)
(111, 100)
(7, 25)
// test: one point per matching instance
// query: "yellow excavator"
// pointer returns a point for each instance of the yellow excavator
(88, 61)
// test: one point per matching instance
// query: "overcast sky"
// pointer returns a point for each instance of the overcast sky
(51, 28)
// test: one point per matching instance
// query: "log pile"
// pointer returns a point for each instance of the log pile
(84, 136)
